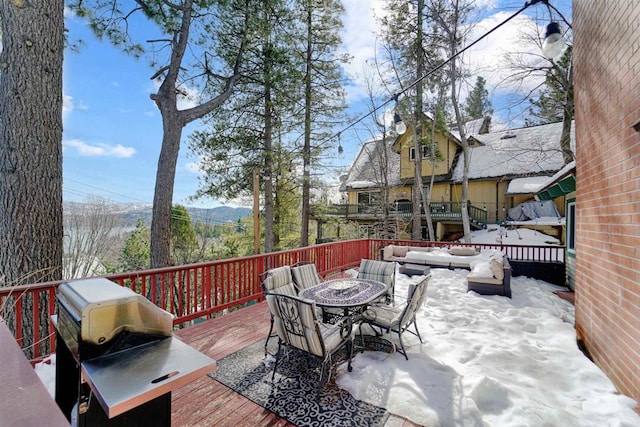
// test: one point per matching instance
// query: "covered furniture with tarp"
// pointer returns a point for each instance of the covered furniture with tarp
(533, 210)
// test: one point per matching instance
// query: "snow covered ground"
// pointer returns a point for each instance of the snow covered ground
(490, 361)
(520, 236)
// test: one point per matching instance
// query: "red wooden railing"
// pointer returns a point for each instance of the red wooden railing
(201, 290)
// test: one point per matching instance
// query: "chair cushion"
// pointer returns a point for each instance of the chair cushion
(385, 316)
(331, 336)
(377, 270)
(279, 281)
(305, 276)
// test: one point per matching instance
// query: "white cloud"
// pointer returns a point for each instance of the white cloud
(68, 104)
(359, 40)
(488, 57)
(193, 167)
(104, 150)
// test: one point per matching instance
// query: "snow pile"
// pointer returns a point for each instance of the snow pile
(490, 361)
(519, 236)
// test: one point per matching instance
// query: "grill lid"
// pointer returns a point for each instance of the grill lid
(103, 309)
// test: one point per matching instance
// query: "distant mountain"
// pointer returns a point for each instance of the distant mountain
(131, 212)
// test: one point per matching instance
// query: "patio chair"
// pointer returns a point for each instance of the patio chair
(276, 281)
(305, 275)
(298, 327)
(382, 271)
(398, 318)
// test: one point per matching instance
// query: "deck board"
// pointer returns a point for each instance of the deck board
(206, 402)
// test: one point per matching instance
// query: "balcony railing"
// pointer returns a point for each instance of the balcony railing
(197, 291)
(438, 210)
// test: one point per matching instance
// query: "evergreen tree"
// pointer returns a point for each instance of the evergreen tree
(206, 40)
(478, 104)
(136, 254)
(549, 106)
(184, 245)
(243, 133)
(323, 91)
(410, 31)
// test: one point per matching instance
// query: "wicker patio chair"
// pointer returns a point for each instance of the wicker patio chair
(397, 318)
(276, 281)
(298, 327)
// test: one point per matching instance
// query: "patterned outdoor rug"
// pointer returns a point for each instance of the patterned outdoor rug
(295, 395)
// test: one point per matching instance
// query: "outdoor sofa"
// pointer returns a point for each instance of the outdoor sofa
(453, 257)
(490, 270)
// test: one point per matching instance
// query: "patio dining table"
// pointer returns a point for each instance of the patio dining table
(347, 293)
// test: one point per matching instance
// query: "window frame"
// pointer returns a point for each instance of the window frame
(571, 227)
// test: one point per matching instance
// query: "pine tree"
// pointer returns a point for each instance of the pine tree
(478, 104)
(206, 40)
(136, 254)
(550, 104)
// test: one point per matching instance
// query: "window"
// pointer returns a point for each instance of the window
(368, 198)
(571, 226)
(425, 152)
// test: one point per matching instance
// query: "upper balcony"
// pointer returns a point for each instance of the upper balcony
(439, 211)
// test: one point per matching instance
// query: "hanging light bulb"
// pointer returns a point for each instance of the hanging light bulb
(340, 149)
(553, 41)
(400, 127)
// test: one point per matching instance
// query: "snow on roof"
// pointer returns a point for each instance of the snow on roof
(361, 184)
(525, 151)
(529, 185)
(368, 169)
(560, 174)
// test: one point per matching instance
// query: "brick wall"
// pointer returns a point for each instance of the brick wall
(607, 95)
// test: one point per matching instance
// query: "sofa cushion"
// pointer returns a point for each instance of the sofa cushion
(497, 268)
(400, 251)
(480, 269)
(419, 249)
(462, 250)
(486, 280)
(422, 257)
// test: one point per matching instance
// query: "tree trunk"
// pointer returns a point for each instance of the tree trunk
(306, 153)
(417, 196)
(268, 171)
(31, 229)
(567, 118)
(173, 121)
(466, 225)
(163, 195)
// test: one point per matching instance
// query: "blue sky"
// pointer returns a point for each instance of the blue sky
(113, 131)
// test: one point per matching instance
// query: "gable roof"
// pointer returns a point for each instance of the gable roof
(520, 152)
(368, 167)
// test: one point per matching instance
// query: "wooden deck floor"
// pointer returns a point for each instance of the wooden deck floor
(206, 402)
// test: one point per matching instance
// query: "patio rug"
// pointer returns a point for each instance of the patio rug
(295, 395)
